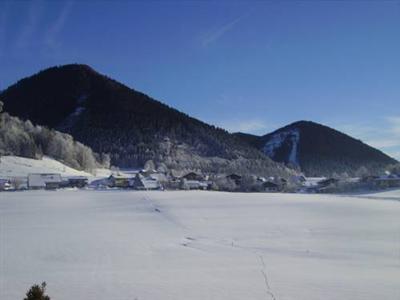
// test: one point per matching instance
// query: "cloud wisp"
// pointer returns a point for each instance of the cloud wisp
(50, 38)
(215, 35)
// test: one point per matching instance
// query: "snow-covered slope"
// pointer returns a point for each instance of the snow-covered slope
(289, 139)
(199, 245)
(15, 166)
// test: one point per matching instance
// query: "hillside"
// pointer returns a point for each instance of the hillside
(15, 166)
(22, 138)
(132, 127)
(319, 150)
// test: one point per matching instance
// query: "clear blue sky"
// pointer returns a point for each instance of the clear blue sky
(245, 66)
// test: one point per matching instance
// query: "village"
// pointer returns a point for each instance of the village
(147, 180)
(129, 180)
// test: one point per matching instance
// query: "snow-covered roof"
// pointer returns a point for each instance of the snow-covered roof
(77, 178)
(196, 183)
(120, 176)
(159, 177)
(150, 183)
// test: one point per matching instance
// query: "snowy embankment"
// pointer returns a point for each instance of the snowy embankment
(15, 166)
(98, 245)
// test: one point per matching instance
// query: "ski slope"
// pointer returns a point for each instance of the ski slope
(120, 245)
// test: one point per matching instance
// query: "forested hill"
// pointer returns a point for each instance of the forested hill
(319, 150)
(132, 127)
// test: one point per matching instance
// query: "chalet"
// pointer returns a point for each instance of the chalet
(235, 178)
(370, 178)
(160, 177)
(387, 182)
(176, 174)
(77, 181)
(147, 173)
(119, 181)
(44, 181)
(193, 176)
(196, 184)
(328, 182)
(300, 179)
(139, 182)
(270, 186)
(5, 184)
(261, 179)
(327, 185)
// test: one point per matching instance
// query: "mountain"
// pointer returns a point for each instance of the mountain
(318, 150)
(129, 125)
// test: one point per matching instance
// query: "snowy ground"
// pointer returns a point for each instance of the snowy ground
(15, 166)
(21, 167)
(98, 245)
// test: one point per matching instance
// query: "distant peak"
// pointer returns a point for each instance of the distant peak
(82, 67)
(303, 123)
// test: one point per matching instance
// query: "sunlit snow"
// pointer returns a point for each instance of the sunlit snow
(97, 245)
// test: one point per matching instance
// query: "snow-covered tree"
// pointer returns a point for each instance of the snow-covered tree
(37, 292)
(362, 172)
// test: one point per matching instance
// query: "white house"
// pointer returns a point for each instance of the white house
(139, 182)
(44, 181)
(195, 184)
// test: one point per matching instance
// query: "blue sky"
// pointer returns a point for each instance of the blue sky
(244, 66)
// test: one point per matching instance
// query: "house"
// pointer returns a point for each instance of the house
(370, 178)
(261, 179)
(327, 182)
(196, 184)
(46, 181)
(5, 184)
(299, 178)
(147, 173)
(139, 182)
(387, 182)
(77, 181)
(193, 176)
(119, 181)
(160, 177)
(327, 185)
(237, 179)
(270, 186)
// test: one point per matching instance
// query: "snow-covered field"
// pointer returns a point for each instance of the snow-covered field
(21, 167)
(98, 245)
(15, 166)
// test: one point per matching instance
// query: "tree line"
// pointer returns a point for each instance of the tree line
(22, 138)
